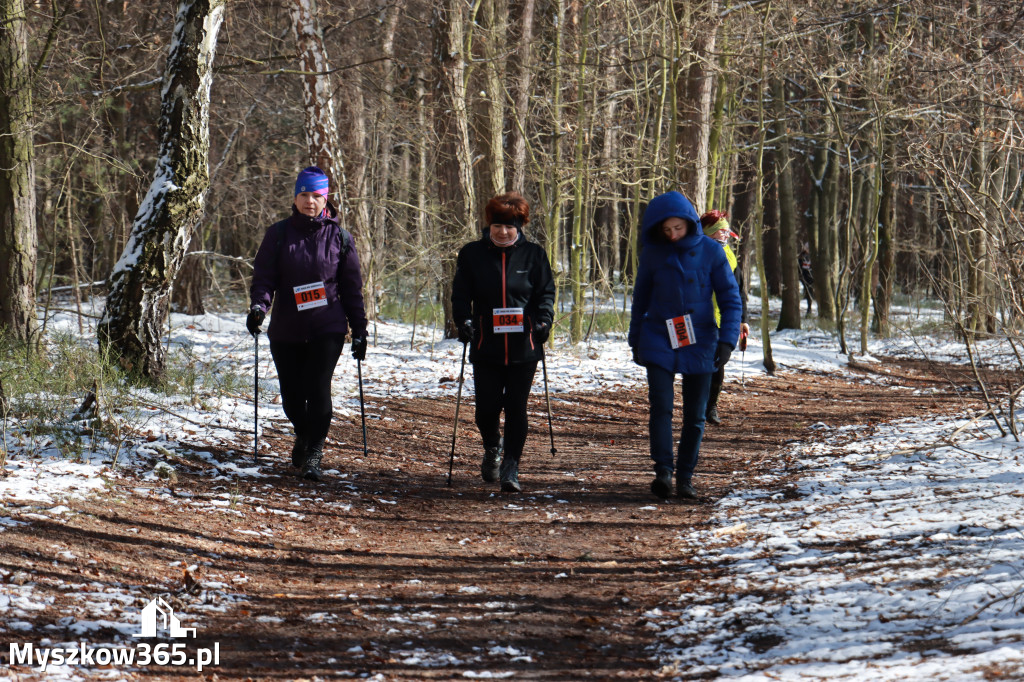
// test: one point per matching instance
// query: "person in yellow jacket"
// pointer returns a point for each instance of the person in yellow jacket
(716, 225)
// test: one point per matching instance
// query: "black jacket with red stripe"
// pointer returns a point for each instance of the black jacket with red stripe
(489, 277)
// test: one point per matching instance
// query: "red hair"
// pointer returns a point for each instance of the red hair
(712, 217)
(507, 208)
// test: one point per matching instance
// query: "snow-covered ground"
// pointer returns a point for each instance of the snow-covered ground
(940, 598)
(898, 556)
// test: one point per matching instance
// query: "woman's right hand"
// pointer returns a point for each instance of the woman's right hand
(254, 320)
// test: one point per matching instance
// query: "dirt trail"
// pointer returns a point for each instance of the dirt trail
(385, 570)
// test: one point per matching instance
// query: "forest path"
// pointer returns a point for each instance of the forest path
(385, 571)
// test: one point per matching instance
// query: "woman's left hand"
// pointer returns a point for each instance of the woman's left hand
(359, 347)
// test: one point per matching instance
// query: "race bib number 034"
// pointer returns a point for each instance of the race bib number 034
(508, 320)
(680, 331)
(313, 295)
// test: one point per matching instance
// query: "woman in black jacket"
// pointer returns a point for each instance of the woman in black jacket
(503, 298)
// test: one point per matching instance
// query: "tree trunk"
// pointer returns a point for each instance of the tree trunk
(495, 14)
(133, 321)
(321, 127)
(17, 178)
(190, 282)
(789, 316)
(824, 264)
(886, 247)
(577, 247)
(521, 93)
(769, 217)
(552, 190)
(456, 210)
(694, 102)
(759, 210)
(608, 230)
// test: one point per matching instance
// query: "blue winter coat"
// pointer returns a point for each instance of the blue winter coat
(678, 278)
(301, 250)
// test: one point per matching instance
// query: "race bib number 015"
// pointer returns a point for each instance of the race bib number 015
(680, 331)
(313, 295)
(508, 320)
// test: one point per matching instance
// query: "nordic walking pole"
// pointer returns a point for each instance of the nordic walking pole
(256, 403)
(547, 398)
(362, 405)
(458, 401)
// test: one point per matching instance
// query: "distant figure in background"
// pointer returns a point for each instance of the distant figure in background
(806, 276)
(308, 268)
(672, 330)
(716, 225)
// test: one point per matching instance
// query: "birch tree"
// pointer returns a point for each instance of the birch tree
(454, 169)
(17, 178)
(321, 126)
(136, 310)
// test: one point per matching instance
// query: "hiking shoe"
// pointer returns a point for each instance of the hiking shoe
(712, 416)
(489, 467)
(311, 469)
(662, 483)
(510, 476)
(299, 453)
(686, 490)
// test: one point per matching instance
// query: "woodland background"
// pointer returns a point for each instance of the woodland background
(145, 148)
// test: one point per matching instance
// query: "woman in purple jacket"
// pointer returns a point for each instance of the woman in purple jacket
(308, 267)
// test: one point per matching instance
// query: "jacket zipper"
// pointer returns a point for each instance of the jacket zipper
(504, 299)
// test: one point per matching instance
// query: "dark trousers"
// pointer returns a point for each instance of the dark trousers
(661, 395)
(503, 388)
(304, 372)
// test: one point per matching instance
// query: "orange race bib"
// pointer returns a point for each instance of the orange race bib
(313, 295)
(680, 331)
(508, 320)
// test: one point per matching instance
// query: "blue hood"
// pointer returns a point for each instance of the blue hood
(668, 205)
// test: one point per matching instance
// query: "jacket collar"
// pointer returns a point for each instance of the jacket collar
(329, 216)
(486, 239)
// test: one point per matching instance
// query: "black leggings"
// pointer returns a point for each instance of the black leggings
(503, 387)
(304, 371)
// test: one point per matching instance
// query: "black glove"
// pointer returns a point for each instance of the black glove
(254, 320)
(466, 331)
(722, 354)
(636, 356)
(359, 347)
(542, 332)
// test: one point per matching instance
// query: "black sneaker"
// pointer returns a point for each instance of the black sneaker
(510, 476)
(686, 490)
(489, 467)
(712, 416)
(662, 483)
(299, 452)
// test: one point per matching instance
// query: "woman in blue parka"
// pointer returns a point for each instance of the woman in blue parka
(672, 329)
